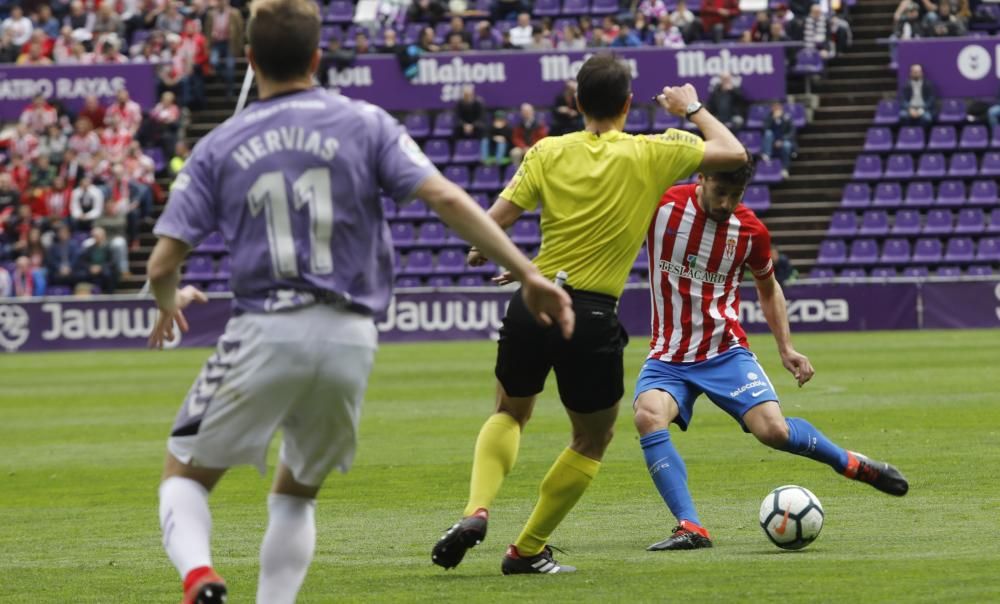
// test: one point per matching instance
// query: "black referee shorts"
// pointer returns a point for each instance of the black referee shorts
(589, 370)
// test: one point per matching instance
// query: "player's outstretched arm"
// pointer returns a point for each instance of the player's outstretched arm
(548, 302)
(503, 212)
(164, 276)
(723, 151)
(772, 302)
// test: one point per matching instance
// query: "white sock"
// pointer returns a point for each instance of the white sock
(186, 523)
(287, 549)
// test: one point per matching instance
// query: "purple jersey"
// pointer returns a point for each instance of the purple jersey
(293, 185)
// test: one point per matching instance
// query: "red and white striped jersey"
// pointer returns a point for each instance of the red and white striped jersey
(695, 268)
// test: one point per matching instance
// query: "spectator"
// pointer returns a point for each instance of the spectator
(28, 281)
(46, 23)
(164, 123)
(778, 33)
(171, 20)
(19, 172)
(907, 24)
(10, 197)
(668, 36)
(540, 41)
(96, 265)
(598, 39)
(78, 55)
(571, 39)
(486, 37)
(43, 173)
(109, 54)
(115, 139)
(62, 50)
(502, 9)
(71, 168)
(54, 144)
(38, 37)
(651, 9)
(727, 103)
(643, 28)
(566, 117)
(86, 204)
(528, 132)
(456, 43)
(390, 44)
(684, 20)
(942, 22)
(779, 134)
(717, 16)
(107, 24)
(19, 230)
(58, 200)
(626, 38)
(916, 99)
(520, 34)
(194, 44)
(39, 115)
(80, 21)
(181, 155)
(123, 210)
(126, 112)
(816, 31)
(225, 29)
(760, 31)
(784, 272)
(470, 113)
(505, 43)
(457, 26)
(840, 33)
(361, 45)
(586, 28)
(9, 51)
(93, 111)
(141, 170)
(35, 55)
(6, 283)
(19, 26)
(495, 144)
(61, 257)
(426, 11)
(84, 141)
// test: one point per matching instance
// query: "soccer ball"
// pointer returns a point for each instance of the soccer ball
(791, 517)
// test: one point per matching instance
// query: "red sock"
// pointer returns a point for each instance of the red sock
(196, 575)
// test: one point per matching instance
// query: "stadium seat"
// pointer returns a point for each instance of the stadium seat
(916, 272)
(853, 273)
(402, 233)
(962, 165)
(444, 124)
(471, 281)
(971, 221)
(994, 225)
(807, 61)
(895, 251)
(888, 195)
(959, 249)
(882, 272)
(820, 272)
(641, 260)
(919, 193)
(637, 120)
(983, 193)
(843, 224)
(991, 163)
(767, 171)
(487, 270)
(974, 136)
(404, 282)
(329, 33)
(979, 271)
(952, 111)
(951, 193)
(878, 139)
(546, 8)
(418, 262)
(931, 165)
(832, 252)
(797, 111)
(418, 125)
(927, 251)
(58, 290)
(756, 116)
(604, 7)
(458, 175)
(339, 11)
(988, 250)
(450, 262)
(225, 269)
(948, 271)
(757, 198)
(440, 281)
(863, 251)
(874, 223)
(907, 223)
(663, 120)
(887, 113)
(868, 167)
(576, 7)
(856, 195)
(416, 209)
(939, 222)
(525, 231)
(431, 233)
(899, 167)
(943, 138)
(485, 178)
(467, 151)
(216, 287)
(213, 244)
(911, 138)
(751, 139)
(438, 151)
(198, 267)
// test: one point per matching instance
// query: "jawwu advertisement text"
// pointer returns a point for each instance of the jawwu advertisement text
(958, 67)
(123, 322)
(507, 79)
(70, 84)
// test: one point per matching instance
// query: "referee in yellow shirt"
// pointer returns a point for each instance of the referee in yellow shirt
(598, 190)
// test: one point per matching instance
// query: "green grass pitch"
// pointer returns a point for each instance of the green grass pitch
(82, 440)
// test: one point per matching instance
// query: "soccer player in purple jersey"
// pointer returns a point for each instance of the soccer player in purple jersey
(293, 185)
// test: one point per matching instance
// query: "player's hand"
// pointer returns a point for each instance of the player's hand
(163, 331)
(504, 278)
(798, 365)
(475, 257)
(675, 99)
(549, 303)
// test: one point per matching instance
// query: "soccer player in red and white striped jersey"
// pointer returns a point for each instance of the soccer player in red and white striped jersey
(700, 243)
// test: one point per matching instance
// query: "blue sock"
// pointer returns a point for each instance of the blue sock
(667, 470)
(805, 440)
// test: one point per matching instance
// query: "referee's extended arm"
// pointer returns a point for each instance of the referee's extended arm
(723, 151)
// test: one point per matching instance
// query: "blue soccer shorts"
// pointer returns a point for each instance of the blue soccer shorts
(734, 381)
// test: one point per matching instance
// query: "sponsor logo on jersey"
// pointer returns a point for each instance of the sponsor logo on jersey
(691, 272)
(749, 386)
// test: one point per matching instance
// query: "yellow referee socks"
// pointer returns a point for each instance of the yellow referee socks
(496, 452)
(561, 488)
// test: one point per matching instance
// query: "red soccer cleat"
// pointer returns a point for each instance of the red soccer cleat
(204, 586)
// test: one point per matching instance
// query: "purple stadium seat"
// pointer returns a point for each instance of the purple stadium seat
(887, 113)
(863, 251)
(198, 267)
(895, 251)
(751, 139)
(979, 271)
(951, 193)
(576, 7)
(843, 224)
(438, 151)
(971, 221)
(832, 252)
(637, 120)
(339, 11)
(388, 207)
(483, 200)
(414, 210)
(927, 251)
(868, 167)
(450, 262)
(939, 222)
(767, 171)
(458, 175)
(330, 32)
(431, 233)
(58, 290)
(546, 8)
(994, 225)
(403, 282)
(225, 268)
(807, 61)
(959, 249)
(402, 233)
(883, 272)
(757, 198)
(485, 178)
(471, 281)
(899, 166)
(820, 272)
(943, 138)
(756, 116)
(466, 151)
(525, 232)
(743, 22)
(874, 223)
(919, 193)
(983, 193)
(988, 250)
(418, 125)
(916, 272)
(974, 136)
(907, 223)
(797, 111)
(215, 287)
(604, 7)
(444, 124)
(888, 195)
(487, 270)
(878, 139)
(213, 244)
(962, 165)
(911, 138)
(663, 120)
(952, 111)
(931, 165)
(508, 174)
(418, 262)
(440, 281)
(948, 271)
(991, 163)
(856, 195)
(853, 273)
(156, 154)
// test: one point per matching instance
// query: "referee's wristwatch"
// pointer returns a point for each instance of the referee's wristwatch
(692, 109)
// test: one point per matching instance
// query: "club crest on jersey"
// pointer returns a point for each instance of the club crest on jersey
(692, 261)
(730, 251)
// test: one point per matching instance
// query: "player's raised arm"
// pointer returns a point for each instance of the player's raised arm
(723, 151)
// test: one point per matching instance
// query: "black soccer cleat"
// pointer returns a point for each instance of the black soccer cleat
(686, 536)
(879, 474)
(211, 593)
(540, 564)
(460, 538)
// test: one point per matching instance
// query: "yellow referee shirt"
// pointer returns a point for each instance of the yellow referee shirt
(598, 194)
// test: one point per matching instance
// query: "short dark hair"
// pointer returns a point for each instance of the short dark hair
(740, 177)
(284, 36)
(604, 85)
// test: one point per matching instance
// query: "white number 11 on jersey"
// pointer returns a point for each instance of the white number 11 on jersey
(311, 189)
